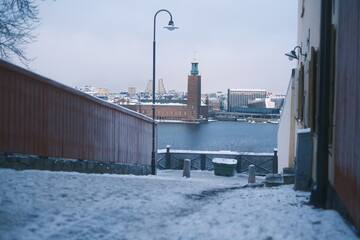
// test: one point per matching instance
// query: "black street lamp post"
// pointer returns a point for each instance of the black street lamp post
(169, 27)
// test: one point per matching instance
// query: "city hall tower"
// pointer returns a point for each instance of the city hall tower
(194, 92)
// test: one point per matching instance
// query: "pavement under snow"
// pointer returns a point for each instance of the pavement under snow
(63, 205)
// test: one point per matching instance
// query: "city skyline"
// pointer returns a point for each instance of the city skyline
(238, 44)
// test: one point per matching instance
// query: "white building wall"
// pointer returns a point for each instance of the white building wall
(286, 130)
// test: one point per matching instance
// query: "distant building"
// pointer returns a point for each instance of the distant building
(214, 104)
(93, 90)
(132, 91)
(192, 109)
(269, 102)
(194, 92)
(102, 93)
(148, 88)
(214, 101)
(239, 98)
(278, 100)
(161, 88)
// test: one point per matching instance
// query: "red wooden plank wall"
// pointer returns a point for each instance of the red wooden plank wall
(347, 111)
(42, 117)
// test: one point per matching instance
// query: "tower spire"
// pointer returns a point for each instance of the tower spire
(194, 67)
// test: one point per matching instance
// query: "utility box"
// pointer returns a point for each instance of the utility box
(224, 166)
(303, 159)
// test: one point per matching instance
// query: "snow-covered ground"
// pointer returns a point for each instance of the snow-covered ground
(62, 205)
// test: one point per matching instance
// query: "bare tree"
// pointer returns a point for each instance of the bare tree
(18, 19)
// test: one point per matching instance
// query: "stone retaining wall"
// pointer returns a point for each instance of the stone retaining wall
(23, 162)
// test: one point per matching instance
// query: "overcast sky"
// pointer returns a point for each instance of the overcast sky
(108, 43)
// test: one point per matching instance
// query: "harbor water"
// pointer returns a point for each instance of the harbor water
(219, 135)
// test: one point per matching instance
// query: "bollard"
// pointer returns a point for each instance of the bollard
(251, 174)
(187, 166)
(275, 162)
(202, 162)
(168, 158)
(238, 165)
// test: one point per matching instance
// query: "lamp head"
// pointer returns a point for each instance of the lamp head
(171, 26)
(292, 55)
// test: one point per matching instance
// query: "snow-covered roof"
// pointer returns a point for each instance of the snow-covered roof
(164, 104)
(247, 90)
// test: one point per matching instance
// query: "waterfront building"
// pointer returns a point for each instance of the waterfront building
(192, 109)
(214, 104)
(271, 102)
(194, 92)
(250, 105)
(278, 100)
(239, 98)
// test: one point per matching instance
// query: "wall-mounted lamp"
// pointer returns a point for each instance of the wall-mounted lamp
(292, 55)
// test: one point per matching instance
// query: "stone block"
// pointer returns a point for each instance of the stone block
(117, 168)
(12, 159)
(107, 168)
(79, 166)
(102, 168)
(83, 166)
(25, 161)
(125, 169)
(288, 170)
(59, 165)
(39, 164)
(143, 170)
(2, 160)
(273, 179)
(133, 169)
(49, 164)
(90, 166)
(148, 170)
(68, 166)
(111, 167)
(139, 169)
(97, 168)
(289, 178)
(6, 162)
(18, 165)
(253, 185)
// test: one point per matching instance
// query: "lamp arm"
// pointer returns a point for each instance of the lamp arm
(301, 53)
(161, 10)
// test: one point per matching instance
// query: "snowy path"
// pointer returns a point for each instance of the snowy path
(62, 205)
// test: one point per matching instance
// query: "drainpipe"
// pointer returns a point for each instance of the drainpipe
(319, 193)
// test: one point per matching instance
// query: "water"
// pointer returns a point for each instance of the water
(216, 136)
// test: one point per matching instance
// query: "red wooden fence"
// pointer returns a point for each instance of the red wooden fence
(42, 117)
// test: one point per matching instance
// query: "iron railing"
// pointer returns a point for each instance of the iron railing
(202, 160)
